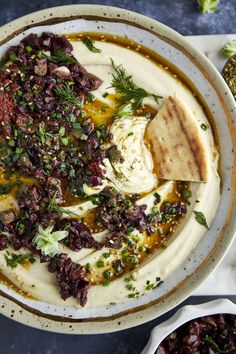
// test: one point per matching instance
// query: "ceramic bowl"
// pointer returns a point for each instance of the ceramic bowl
(183, 315)
(217, 99)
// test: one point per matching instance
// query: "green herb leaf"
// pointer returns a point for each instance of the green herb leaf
(133, 295)
(200, 218)
(28, 49)
(13, 259)
(130, 287)
(101, 131)
(100, 264)
(91, 97)
(66, 94)
(131, 260)
(186, 193)
(127, 279)
(106, 283)
(126, 87)
(39, 54)
(53, 206)
(88, 266)
(90, 45)
(107, 274)
(209, 340)
(204, 126)
(118, 265)
(13, 57)
(62, 131)
(61, 57)
(6, 188)
(47, 241)
(229, 49)
(208, 6)
(3, 60)
(42, 133)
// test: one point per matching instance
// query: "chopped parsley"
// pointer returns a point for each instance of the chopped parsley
(127, 279)
(133, 295)
(186, 193)
(131, 260)
(130, 287)
(6, 188)
(88, 266)
(13, 57)
(107, 274)
(106, 283)
(100, 264)
(118, 265)
(157, 197)
(13, 259)
(204, 126)
(150, 286)
(28, 49)
(90, 97)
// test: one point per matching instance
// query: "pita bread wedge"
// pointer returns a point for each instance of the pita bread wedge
(176, 143)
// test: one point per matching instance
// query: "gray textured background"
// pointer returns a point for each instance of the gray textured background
(182, 15)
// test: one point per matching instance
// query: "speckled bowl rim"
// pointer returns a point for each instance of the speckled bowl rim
(13, 309)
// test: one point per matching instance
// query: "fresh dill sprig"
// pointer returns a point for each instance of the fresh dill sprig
(90, 45)
(126, 87)
(61, 57)
(66, 94)
(53, 206)
(209, 340)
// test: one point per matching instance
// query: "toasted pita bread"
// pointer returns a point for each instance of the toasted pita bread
(176, 144)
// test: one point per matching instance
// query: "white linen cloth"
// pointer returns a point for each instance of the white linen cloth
(223, 280)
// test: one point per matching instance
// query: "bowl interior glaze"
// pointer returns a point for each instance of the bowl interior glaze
(201, 74)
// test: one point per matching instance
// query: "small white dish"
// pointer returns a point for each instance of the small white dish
(183, 315)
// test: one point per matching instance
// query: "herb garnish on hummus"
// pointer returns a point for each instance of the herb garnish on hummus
(89, 207)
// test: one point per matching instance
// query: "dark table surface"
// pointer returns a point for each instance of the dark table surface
(182, 15)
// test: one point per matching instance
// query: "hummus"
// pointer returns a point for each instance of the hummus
(132, 176)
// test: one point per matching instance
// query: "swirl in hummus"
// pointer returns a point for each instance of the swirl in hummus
(81, 208)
